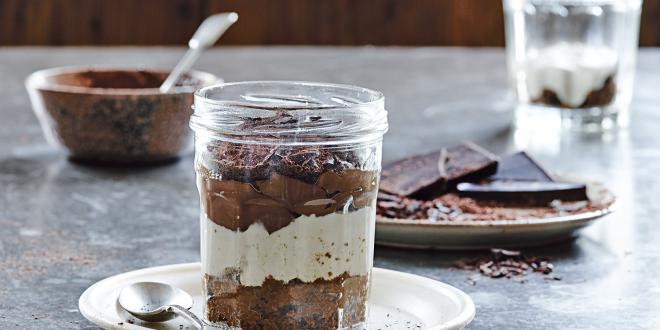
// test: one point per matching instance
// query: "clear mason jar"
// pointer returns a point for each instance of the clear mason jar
(572, 62)
(288, 176)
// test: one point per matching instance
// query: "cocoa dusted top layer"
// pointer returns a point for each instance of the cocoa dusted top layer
(243, 184)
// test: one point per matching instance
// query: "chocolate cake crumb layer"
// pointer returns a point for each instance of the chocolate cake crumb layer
(294, 305)
(595, 98)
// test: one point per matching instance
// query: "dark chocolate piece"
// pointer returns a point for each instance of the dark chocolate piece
(467, 162)
(525, 192)
(416, 174)
(521, 167)
(430, 175)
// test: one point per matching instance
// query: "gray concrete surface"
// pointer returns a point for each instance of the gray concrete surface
(65, 226)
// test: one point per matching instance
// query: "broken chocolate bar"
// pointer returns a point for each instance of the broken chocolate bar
(417, 174)
(524, 192)
(468, 162)
(520, 167)
(430, 175)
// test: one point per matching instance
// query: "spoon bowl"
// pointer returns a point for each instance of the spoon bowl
(151, 301)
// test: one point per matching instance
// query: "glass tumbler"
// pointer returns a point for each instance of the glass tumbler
(572, 62)
(288, 175)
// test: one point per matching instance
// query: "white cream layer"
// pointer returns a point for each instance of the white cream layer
(308, 248)
(570, 70)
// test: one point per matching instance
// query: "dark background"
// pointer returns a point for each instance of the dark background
(268, 22)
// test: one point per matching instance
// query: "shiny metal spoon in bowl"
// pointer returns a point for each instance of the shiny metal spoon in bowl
(206, 35)
(157, 302)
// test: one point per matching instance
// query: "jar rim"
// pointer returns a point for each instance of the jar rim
(289, 112)
(379, 97)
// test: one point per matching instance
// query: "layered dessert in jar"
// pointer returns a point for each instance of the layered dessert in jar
(288, 204)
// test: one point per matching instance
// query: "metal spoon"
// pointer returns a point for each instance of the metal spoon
(157, 302)
(206, 35)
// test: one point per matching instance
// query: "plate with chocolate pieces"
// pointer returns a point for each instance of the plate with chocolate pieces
(464, 197)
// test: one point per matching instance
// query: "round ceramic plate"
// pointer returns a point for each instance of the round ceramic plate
(398, 300)
(478, 235)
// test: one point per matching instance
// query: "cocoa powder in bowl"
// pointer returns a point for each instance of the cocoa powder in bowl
(111, 115)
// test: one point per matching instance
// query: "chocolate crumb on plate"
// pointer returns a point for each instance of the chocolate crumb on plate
(508, 264)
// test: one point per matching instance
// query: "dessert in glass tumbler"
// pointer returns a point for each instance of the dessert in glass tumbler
(288, 187)
(570, 75)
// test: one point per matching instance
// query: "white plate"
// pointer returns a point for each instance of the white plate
(478, 235)
(398, 300)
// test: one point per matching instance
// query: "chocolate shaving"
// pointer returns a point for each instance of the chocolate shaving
(508, 264)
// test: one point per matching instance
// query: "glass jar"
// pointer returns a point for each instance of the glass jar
(288, 176)
(572, 61)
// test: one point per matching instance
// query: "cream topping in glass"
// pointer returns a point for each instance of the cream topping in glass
(569, 70)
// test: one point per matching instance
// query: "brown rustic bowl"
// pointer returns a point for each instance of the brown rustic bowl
(115, 115)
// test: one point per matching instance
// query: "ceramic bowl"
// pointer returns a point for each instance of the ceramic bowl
(115, 115)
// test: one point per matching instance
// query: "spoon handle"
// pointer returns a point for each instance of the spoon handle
(186, 314)
(184, 65)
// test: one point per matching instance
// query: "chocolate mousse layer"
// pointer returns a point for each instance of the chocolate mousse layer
(292, 305)
(595, 98)
(277, 201)
(275, 186)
